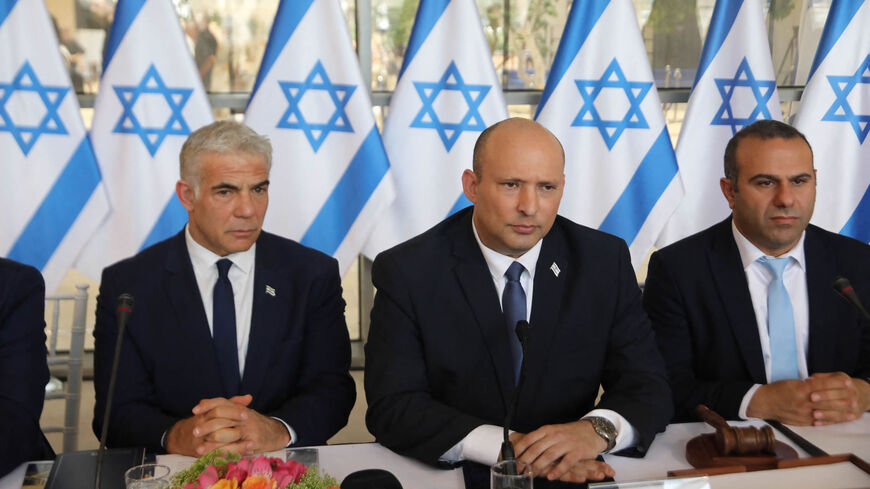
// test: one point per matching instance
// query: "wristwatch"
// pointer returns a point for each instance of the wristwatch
(605, 429)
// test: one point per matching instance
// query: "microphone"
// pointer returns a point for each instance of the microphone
(842, 285)
(122, 315)
(507, 448)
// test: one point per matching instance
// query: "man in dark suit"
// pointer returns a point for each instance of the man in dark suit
(442, 358)
(238, 338)
(730, 337)
(23, 371)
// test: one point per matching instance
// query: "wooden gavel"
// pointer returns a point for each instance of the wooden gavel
(742, 441)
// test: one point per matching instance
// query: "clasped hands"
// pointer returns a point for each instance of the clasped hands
(821, 399)
(227, 424)
(563, 451)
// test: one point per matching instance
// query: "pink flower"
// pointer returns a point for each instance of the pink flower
(208, 477)
(261, 466)
(289, 471)
(236, 471)
(191, 485)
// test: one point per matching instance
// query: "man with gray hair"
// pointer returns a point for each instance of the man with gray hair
(238, 339)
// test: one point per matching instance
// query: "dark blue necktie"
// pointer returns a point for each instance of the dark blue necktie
(513, 304)
(224, 329)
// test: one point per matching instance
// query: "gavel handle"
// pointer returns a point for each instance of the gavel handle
(711, 417)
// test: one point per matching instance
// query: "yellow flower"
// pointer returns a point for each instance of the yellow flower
(225, 484)
(257, 482)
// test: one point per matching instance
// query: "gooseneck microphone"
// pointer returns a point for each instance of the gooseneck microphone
(507, 448)
(842, 285)
(122, 315)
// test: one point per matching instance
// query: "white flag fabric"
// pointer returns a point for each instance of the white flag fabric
(329, 180)
(601, 102)
(734, 86)
(151, 98)
(834, 115)
(48, 175)
(447, 94)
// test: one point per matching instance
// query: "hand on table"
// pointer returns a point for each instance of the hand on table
(823, 398)
(228, 424)
(563, 451)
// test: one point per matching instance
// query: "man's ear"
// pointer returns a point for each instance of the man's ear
(186, 194)
(728, 190)
(470, 185)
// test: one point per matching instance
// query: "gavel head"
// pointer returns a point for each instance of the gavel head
(745, 441)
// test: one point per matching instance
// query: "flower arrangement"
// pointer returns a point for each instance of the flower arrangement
(228, 470)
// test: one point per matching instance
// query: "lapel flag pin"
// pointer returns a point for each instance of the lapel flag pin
(555, 268)
(270, 290)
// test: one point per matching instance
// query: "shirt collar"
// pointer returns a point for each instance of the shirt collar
(749, 253)
(203, 258)
(498, 263)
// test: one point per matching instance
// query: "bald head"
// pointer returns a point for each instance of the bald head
(513, 133)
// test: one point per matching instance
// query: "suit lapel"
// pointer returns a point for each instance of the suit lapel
(730, 280)
(547, 296)
(475, 281)
(183, 292)
(265, 316)
(821, 271)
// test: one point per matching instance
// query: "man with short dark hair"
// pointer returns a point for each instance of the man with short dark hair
(744, 312)
(443, 360)
(237, 339)
(23, 371)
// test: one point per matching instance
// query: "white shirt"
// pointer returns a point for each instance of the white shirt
(758, 277)
(483, 443)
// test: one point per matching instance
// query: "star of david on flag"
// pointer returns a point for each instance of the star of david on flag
(834, 115)
(329, 180)
(734, 86)
(26, 134)
(175, 98)
(152, 100)
(472, 95)
(294, 118)
(447, 93)
(841, 110)
(622, 177)
(610, 130)
(762, 90)
(50, 178)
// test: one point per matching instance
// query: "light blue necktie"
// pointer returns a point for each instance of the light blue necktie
(780, 324)
(513, 304)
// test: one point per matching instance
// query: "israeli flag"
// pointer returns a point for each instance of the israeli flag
(835, 117)
(48, 175)
(447, 94)
(151, 98)
(601, 102)
(329, 169)
(734, 86)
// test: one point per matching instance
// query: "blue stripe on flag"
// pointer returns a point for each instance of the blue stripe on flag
(650, 180)
(171, 220)
(290, 14)
(339, 212)
(428, 14)
(125, 13)
(59, 210)
(724, 14)
(858, 225)
(461, 203)
(839, 16)
(6, 6)
(581, 19)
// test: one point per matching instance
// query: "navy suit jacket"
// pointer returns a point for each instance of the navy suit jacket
(438, 363)
(23, 370)
(298, 352)
(697, 297)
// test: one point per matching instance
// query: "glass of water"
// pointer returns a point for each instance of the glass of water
(148, 476)
(511, 474)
